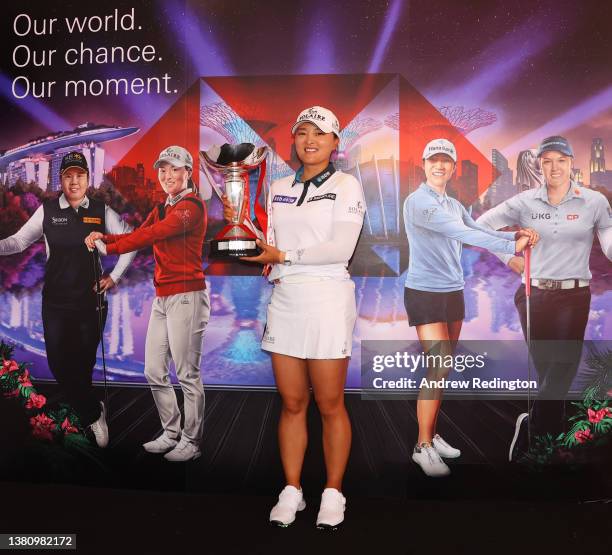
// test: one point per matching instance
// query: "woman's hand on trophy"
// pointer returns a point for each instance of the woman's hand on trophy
(532, 234)
(269, 255)
(91, 239)
(228, 210)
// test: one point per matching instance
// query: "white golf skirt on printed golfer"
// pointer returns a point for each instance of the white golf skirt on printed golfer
(311, 317)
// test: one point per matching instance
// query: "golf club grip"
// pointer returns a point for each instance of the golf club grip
(528, 271)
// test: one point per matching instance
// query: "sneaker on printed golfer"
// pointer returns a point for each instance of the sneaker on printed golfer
(185, 450)
(290, 501)
(520, 441)
(444, 449)
(99, 428)
(331, 512)
(429, 460)
(162, 444)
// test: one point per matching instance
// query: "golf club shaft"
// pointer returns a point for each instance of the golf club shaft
(96, 263)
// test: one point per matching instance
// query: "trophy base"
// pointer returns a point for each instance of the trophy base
(233, 248)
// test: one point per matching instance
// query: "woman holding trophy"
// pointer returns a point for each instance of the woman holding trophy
(314, 221)
(181, 307)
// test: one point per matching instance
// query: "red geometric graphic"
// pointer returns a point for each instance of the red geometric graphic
(276, 100)
(270, 104)
(178, 126)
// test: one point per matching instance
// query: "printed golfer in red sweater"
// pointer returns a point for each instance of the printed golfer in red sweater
(181, 307)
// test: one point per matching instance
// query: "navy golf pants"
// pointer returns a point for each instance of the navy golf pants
(558, 322)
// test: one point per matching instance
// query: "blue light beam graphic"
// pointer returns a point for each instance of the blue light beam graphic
(585, 111)
(391, 21)
(36, 109)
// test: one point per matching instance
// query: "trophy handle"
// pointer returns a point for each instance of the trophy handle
(211, 179)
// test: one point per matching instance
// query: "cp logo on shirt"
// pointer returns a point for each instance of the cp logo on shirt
(572, 216)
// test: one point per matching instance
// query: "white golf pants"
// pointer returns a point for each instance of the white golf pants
(176, 329)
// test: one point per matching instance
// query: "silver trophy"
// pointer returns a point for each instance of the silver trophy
(234, 163)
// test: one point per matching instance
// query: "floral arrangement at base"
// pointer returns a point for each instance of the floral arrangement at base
(589, 429)
(59, 424)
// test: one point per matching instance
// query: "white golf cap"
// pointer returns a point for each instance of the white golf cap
(175, 155)
(323, 118)
(440, 146)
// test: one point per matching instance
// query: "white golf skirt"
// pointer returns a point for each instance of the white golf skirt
(313, 318)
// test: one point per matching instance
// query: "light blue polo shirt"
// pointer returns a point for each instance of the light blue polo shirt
(566, 229)
(437, 226)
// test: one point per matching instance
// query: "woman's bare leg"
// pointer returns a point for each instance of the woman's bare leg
(428, 403)
(291, 377)
(328, 378)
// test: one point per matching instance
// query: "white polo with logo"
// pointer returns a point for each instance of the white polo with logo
(338, 199)
(312, 310)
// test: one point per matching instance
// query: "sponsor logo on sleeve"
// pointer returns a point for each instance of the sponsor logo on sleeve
(284, 199)
(429, 212)
(185, 215)
(357, 209)
(327, 196)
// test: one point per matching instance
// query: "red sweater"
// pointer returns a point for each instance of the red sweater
(177, 238)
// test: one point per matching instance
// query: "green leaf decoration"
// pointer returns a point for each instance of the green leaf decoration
(6, 351)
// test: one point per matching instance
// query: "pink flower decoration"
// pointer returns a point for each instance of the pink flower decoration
(597, 416)
(8, 366)
(583, 436)
(24, 379)
(68, 427)
(36, 401)
(14, 393)
(42, 427)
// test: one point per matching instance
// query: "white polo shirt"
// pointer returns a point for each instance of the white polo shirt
(338, 198)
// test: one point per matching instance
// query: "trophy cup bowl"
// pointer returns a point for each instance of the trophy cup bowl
(234, 163)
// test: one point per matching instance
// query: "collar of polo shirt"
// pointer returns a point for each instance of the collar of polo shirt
(573, 192)
(171, 201)
(63, 202)
(433, 192)
(318, 179)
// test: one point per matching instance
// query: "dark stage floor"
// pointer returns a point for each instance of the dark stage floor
(220, 502)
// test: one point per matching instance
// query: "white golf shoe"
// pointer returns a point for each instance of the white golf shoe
(331, 512)
(185, 450)
(426, 456)
(100, 429)
(290, 501)
(162, 444)
(444, 449)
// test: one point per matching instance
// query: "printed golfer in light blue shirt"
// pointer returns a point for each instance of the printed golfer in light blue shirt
(566, 218)
(437, 226)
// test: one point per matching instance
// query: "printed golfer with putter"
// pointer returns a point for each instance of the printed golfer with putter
(72, 321)
(566, 217)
